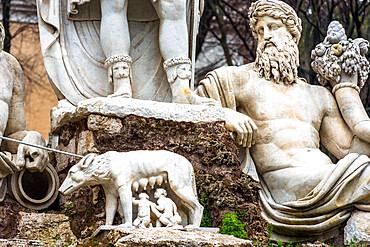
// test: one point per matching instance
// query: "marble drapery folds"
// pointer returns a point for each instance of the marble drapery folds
(73, 57)
(320, 213)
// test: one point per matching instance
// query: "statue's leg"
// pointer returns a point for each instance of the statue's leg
(174, 47)
(125, 197)
(115, 42)
(119, 72)
(110, 205)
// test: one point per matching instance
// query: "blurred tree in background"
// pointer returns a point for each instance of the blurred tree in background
(225, 29)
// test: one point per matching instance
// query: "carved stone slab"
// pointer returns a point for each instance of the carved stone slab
(104, 228)
(169, 237)
(120, 107)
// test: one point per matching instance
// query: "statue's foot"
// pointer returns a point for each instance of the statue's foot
(191, 227)
(122, 88)
(118, 94)
(125, 225)
(176, 227)
(189, 97)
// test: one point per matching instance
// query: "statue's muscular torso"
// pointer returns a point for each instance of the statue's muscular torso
(289, 119)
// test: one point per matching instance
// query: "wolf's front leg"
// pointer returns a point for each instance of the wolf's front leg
(125, 197)
(111, 198)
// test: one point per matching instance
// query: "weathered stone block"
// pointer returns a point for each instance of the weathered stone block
(358, 228)
(86, 143)
(99, 122)
(168, 237)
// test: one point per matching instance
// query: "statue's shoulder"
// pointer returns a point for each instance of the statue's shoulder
(235, 73)
(246, 68)
(318, 92)
(314, 88)
(12, 62)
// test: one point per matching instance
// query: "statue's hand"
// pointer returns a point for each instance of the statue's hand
(34, 159)
(243, 126)
(7, 165)
(344, 77)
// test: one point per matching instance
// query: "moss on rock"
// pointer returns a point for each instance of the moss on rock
(208, 146)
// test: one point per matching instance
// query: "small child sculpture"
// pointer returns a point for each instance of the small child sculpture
(143, 214)
(165, 210)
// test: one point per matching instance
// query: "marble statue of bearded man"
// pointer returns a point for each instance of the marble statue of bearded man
(281, 119)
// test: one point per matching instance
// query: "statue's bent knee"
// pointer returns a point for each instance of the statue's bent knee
(173, 10)
(117, 6)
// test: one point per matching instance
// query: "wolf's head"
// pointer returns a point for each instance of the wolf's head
(91, 170)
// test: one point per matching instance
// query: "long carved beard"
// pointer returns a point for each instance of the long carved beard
(278, 61)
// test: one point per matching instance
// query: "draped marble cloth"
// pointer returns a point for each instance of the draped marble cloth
(320, 213)
(74, 59)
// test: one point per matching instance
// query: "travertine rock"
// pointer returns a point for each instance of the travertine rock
(87, 139)
(50, 229)
(358, 226)
(99, 122)
(122, 107)
(20, 243)
(166, 237)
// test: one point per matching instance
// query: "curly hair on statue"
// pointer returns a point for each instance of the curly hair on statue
(279, 10)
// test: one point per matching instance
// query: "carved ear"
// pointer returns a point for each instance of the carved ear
(87, 160)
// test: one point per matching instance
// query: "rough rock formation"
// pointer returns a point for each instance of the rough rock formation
(174, 238)
(221, 185)
(38, 229)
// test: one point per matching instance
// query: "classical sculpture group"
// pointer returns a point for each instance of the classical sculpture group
(303, 193)
(142, 51)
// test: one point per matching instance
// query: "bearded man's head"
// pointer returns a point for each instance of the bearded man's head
(277, 29)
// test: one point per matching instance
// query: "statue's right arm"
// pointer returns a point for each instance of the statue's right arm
(6, 91)
(17, 118)
(223, 85)
(16, 123)
(242, 125)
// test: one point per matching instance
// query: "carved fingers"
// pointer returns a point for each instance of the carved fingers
(243, 126)
(34, 159)
(245, 138)
(7, 166)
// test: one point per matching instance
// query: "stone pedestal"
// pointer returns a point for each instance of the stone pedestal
(167, 237)
(196, 132)
(357, 229)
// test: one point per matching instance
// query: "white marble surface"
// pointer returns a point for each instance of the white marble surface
(121, 174)
(13, 120)
(281, 120)
(121, 107)
(77, 37)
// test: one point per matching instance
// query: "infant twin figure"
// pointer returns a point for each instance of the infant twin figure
(165, 210)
